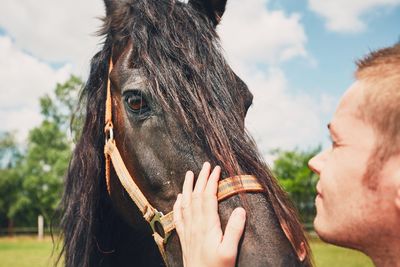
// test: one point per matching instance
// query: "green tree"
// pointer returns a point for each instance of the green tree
(291, 169)
(10, 181)
(32, 182)
(49, 149)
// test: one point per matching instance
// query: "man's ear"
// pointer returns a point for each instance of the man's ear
(214, 9)
(396, 181)
(397, 200)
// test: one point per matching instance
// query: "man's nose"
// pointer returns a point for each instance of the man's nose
(315, 163)
(311, 165)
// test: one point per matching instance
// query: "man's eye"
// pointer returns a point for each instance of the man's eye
(136, 102)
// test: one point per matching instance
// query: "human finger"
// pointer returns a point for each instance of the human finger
(233, 232)
(203, 177)
(178, 215)
(179, 225)
(210, 206)
(186, 210)
(212, 184)
(187, 189)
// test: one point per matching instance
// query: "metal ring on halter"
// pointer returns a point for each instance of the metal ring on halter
(109, 134)
(157, 226)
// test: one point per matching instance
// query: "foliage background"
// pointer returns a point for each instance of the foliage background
(31, 174)
(291, 169)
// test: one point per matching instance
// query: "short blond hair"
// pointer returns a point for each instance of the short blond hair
(381, 105)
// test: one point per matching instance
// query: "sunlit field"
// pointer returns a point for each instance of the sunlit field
(26, 252)
(30, 252)
(332, 256)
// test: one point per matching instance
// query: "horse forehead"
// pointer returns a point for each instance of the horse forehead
(122, 74)
(131, 77)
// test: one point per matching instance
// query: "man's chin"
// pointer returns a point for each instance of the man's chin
(324, 232)
(331, 235)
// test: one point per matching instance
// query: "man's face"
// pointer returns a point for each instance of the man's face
(346, 207)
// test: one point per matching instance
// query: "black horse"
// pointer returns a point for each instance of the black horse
(175, 103)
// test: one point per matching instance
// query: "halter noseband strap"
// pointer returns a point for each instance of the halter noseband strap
(162, 225)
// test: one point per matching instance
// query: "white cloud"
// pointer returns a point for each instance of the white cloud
(345, 15)
(252, 36)
(251, 33)
(54, 31)
(281, 119)
(43, 32)
(23, 80)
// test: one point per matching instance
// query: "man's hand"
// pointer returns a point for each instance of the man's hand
(198, 225)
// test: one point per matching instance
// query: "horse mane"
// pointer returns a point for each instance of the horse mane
(177, 50)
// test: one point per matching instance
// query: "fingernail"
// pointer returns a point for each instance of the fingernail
(205, 164)
(217, 169)
(240, 213)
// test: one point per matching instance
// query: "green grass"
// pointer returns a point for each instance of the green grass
(26, 252)
(332, 256)
(29, 252)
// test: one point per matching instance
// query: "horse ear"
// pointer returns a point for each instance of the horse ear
(113, 25)
(214, 9)
(112, 5)
(109, 6)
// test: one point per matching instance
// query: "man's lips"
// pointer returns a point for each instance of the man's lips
(319, 190)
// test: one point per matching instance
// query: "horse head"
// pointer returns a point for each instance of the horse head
(175, 103)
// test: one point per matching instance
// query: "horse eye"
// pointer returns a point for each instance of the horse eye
(136, 102)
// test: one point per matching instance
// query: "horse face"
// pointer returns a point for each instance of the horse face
(152, 140)
(176, 102)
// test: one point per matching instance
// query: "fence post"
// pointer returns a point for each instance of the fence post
(40, 227)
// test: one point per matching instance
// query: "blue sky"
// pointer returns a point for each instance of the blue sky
(337, 51)
(297, 56)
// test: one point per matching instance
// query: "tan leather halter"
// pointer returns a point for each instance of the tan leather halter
(162, 225)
